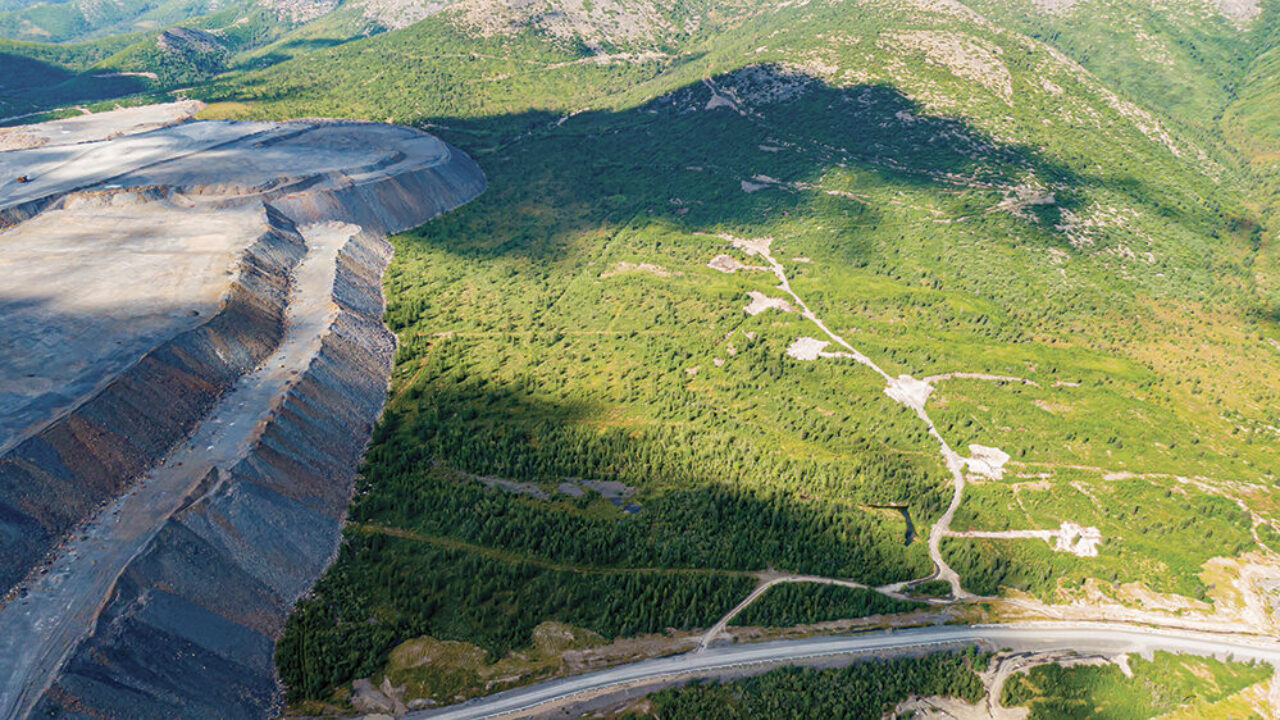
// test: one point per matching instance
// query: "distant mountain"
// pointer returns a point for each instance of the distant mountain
(75, 20)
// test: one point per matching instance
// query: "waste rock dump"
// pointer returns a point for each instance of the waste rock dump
(194, 357)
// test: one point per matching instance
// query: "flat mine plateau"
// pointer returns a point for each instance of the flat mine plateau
(194, 357)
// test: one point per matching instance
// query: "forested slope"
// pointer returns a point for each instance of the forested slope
(947, 194)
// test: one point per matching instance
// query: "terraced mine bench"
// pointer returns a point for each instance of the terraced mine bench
(195, 357)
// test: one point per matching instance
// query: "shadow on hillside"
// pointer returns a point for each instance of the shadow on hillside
(701, 162)
(33, 85)
(293, 48)
(728, 512)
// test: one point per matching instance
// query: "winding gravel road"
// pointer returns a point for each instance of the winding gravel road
(904, 390)
(1097, 638)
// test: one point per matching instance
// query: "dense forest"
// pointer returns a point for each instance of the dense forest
(789, 604)
(386, 589)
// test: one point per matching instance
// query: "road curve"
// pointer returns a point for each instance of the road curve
(1100, 638)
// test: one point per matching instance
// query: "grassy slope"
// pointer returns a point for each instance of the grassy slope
(1184, 59)
(1250, 125)
(535, 348)
(81, 20)
(1162, 685)
(53, 74)
(1211, 77)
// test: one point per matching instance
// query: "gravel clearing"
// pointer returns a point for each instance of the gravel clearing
(807, 348)
(909, 391)
(761, 302)
(986, 461)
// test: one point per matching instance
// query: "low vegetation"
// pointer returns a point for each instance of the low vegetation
(864, 690)
(566, 325)
(1155, 687)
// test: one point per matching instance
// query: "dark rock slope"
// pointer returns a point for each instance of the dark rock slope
(189, 626)
(190, 629)
(58, 477)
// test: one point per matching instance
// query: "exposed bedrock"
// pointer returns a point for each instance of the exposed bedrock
(190, 408)
(190, 629)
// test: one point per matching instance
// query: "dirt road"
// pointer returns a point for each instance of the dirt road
(1084, 638)
(768, 581)
(904, 389)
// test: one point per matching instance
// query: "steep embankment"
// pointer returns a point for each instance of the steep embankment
(107, 417)
(190, 628)
(56, 478)
(167, 603)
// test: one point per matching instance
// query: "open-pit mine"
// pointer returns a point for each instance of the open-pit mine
(193, 359)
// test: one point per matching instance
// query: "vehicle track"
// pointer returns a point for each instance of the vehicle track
(905, 390)
(723, 623)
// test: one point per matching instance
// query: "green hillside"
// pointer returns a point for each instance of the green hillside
(1211, 68)
(947, 195)
(681, 344)
(78, 20)
(1185, 59)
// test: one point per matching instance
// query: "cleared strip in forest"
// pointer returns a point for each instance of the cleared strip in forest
(515, 558)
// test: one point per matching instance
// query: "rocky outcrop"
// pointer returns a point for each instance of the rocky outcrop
(58, 477)
(184, 41)
(190, 629)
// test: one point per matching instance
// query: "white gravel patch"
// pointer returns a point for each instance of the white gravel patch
(986, 461)
(1078, 540)
(909, 391)
(807, 348)
(727, 264)
(761, 302)
(751, 246)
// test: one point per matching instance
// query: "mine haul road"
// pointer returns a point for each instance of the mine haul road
(1085, 638)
